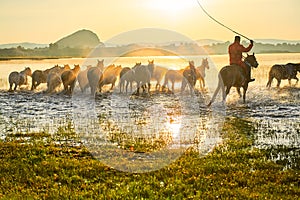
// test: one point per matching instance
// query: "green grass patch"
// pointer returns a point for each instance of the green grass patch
(51, 167)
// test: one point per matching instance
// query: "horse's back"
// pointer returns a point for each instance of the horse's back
(232, 75)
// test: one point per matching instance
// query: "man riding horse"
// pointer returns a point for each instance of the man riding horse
(235, 51)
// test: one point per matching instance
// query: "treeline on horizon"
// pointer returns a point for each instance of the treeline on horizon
(53, 51)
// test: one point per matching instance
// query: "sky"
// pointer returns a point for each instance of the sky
(46, 21)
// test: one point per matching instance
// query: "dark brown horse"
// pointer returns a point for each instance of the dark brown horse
(287, 71)
(189, 77)
(234, 76)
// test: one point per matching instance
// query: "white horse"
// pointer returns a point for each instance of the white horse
(18, 78)
(83, 79)
(142, 76)
(94, 74)
(158, 74)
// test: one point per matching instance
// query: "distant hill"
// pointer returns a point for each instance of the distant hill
(26, 45)
(80, 39)
(204, 42)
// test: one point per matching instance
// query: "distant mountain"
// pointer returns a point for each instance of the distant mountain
(80, 39)
(26, 45)
(204, 42)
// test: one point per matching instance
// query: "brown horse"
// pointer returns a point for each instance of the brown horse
(40, 76)
(200, 73)
(173, 76)
(287, 71)
(189, 77)
(110, 76)
(126, 75)
(54, 78)
(69, 79)
(234, 76)
(18, 78)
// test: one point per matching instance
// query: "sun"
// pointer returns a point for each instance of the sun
(171, 7)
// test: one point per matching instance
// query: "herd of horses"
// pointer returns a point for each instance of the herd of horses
(141, 75)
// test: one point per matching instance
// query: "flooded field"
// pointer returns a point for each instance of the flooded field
(270, 116)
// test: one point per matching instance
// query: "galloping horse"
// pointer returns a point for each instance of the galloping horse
(142, 76)
(173, 76)
(234, 76)
(189, 77)
(94, 74)
(287, 71)
(54, 78)
(40, 76)
(69, 79)
(83, 79)
(200, 72)
(158, 74)
(110, 76)
(18, 78)
(126, 75)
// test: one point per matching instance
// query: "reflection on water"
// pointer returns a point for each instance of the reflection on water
(179, 121)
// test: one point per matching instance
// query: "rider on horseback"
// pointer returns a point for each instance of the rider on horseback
(235, 51)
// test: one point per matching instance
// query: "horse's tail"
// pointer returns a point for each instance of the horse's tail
(220, 86)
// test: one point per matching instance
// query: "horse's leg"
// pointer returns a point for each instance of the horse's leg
(183, 85)
(238, 89)
(290, 82)
(15, 88)
(296, 80)
(228, 90)
(244, 92)
(278, 82)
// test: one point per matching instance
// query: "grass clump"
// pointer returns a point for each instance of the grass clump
(59, 170)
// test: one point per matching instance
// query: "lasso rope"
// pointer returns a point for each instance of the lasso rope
(220, 22)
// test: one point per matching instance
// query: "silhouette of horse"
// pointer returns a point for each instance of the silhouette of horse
(110, 76)
(83, 79)
(39, 76)
(158, 74)
(142, 76)
(54, 78)
(234, 76)
(126, 75)
(200, 73)
(287, 71)
(189, 77)
(94, 74)
(18, 78)
(173, 76)
(69, 79)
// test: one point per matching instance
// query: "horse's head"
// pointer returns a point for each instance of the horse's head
(100, 63)
(76, 68)
(205, 63)
(66, 67)
(251, 61)
(137, 64)
(28, 71)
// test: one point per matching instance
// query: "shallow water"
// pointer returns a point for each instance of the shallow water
(273, 114)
